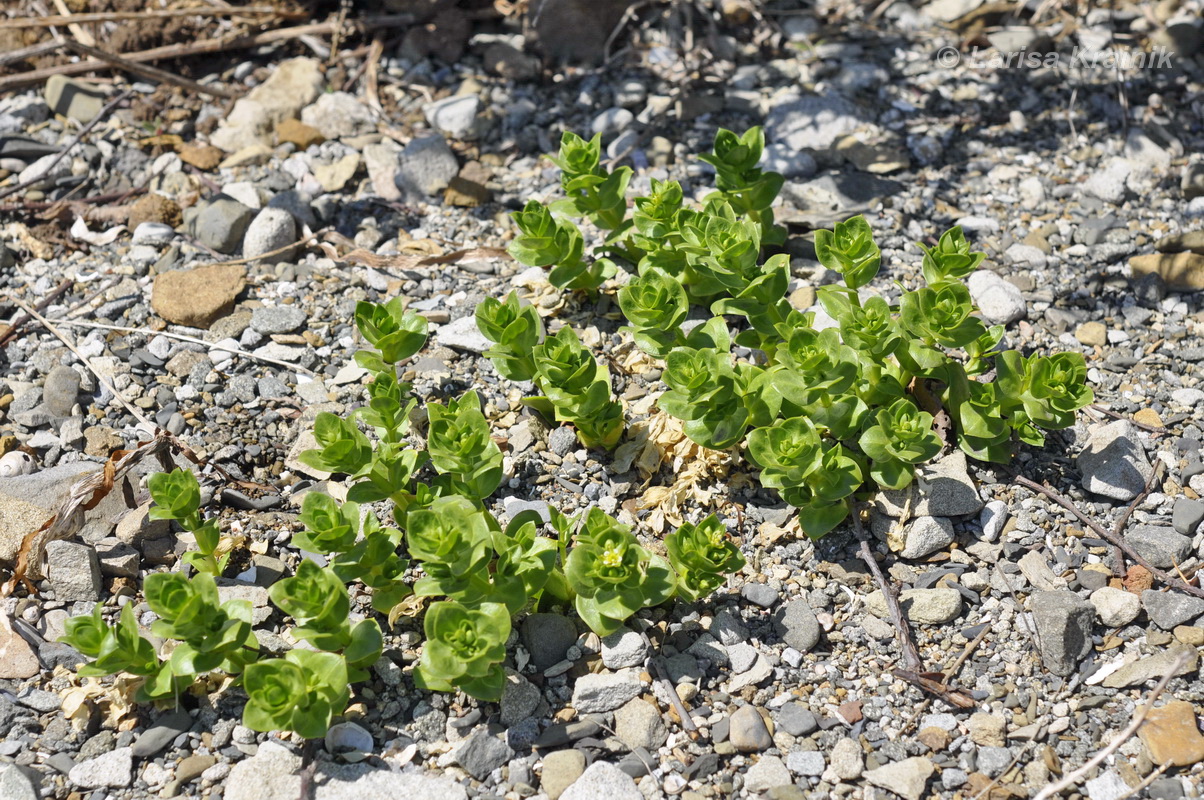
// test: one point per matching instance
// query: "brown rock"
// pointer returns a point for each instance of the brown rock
(204, 157)
(1092, 334)
(465, 193)
(934, 738)
(1192, 241)
(155, 208)
(1148, 416)
(1181, 271)
(1171, 733)
(17, 660)
(101, 441)
(298, 133)
(198, 296)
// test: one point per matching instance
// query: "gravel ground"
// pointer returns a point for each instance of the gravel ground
(1086, 194)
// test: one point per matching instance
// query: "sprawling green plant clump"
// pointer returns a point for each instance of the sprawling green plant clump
(478, 572)
(828, 411)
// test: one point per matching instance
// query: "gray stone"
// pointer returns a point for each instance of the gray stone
(1108, 184)
(796, 624)
(73, 570)
(463, 334)
(941, 489)
(728, 628)
(161, 734)
(562, 440)
(809, 763)
(346, 738)
(602, 780)
(927, 535)
(706, 647)
(813, 121)
(992, 519)
(1113, 463)
(79, 100)
(1116, 607)
(61, 390)
(760, 594)
(624, 648)
(114, 769)
(846, 761)
(748, 732)
(560, 769)
(597, 693)
(1001, 302)
(639, 724)
(519, 700)
(514, 506)
(44, 172)
(1064, 623)
(907, 778)
(547, 638)
(117, 559)
(1169, 609)
(796, 719)
(455, 116)
(1161, 546)
(383, 167)
(272, 229)
(992, 760)
(273, 773)
(482, 753)
(921, 606)
(1148, 668)
(768, 773)
(611, 121)
(221, 223)
(426, 166)
(277, 319)
(15, 784)
(1187, 515)
(1107, 786)
(742, 657)
(339, 114)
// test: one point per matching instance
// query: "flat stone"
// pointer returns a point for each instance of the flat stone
(114, 769)
(941, 489)
(560, 769)
(273, 773)
(907, 778)
(760, 594)
(15, 784)
(197, 297)
(299, 134)
(1064, 622)
(456, 116)
(1153, 667)
(338, 115)
(813, 121)
(921, 606)
(221, 224)
(463, 334)
(1172, 733)
(17, 660)
(927, 535)
(1181, 271)
(847, 761)
(1162, 547)
(519, 700)
(1113, 463)
(809, 763)
(334, 176)
(597, 693)
(624, 648)
(796, 719)
(1000, 302)
(61, 390)
(1170, 609)
(277, 319)
(426, 166)
(272, 229)
(71, 97)
(27, 501)
(161, 734)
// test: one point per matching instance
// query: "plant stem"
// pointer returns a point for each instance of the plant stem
(911, 657)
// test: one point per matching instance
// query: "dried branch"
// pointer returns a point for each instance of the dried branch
(117, 16)
(911, 656)
(150, 73)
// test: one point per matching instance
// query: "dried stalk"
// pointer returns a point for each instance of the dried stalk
(911, 656)
(150, 73)
(240, 42)
(117, 16)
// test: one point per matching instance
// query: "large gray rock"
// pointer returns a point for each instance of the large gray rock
(1162, 547)
(560, 770)
(941, 489)
(61, 390)
(222, 223)
(813, 121)
(1170, 609)
(74, 571)
(338, 114)
(1001, 302)
(639, 724)
(797, 625)
(597, 693)
(426, 166)
(547, 638)
(272, 229)
(273, 774)
(15, 784)
(482, 753)
(1064, 623)
(27, 501)
(907, 778)
(920, 606)
(114, 769)
(71, 97)
(1113, 463)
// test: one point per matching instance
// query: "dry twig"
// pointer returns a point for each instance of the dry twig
(161, 13)
(150, 73)
(911, 656)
